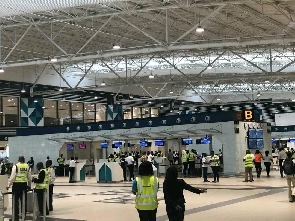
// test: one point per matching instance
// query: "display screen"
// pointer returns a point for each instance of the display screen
(143, 143)
(205, 140)
(70, 146)
(159, 143)
(260, 144)
(273, 141)
(118, 144)
(252, 143)
(186, 141)
(104, 145)
(252, 134)
(292, 140)
(259, 133)
(82, 146)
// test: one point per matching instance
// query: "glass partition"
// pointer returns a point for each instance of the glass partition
(145, 112)
(50, 113)
(77, 113)
(89, 113)
(136, 112)
(64, 114)
(154, 112)
(100, 112)
(10, 111)
(127, 113)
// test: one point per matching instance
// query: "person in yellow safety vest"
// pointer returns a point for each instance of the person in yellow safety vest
(61, 165)
(249, 160)
(111, 158)
(215, 163)
(191, 163)
(20, 179)
(145, 187)
(184, 162)
(51, 176)
(41, 187)
(143, 157)
(115, 155)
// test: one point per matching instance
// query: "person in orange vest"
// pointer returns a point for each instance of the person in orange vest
(257, 161)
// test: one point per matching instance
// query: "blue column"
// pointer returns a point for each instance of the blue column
(31, 112)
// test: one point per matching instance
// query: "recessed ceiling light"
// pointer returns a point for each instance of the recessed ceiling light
(200, 29)
(218, 99)
(258, 95)
(171, 92)
(35, 101)
(149, 102)
(52, 106)
(95, 97)
(43, 107)
(183, 102)
(60, 89)
(162, 106)
(116, 47)
(209, 67)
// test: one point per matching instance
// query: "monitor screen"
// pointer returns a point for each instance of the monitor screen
(159, 143)
(187, 141)
(259, 133)
(292, 140)
(260, 144)
(205, 140)
(143, 143)
(252, 143)
(118, 144)
(70, 146)
(82, 146)
(252, 134)
(104, 145)
(273, 141)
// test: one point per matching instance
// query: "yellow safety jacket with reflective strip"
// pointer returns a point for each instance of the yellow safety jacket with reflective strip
(22, 173)
(191, 157)
(48, 171)
(111, 159)
(61, 161)
(184, 158)
(216, 160)
(248, 160)
(43, 185)
(146, 196)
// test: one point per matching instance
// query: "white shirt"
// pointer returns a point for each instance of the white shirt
(72, 163)
(267, 159)
(13, 175)
(129, 160)
(282, 155)
(150, 158)
(205, 161)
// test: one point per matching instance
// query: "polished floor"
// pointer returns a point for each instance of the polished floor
(230, 199)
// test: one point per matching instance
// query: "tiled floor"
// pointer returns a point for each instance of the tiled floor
(231, 199)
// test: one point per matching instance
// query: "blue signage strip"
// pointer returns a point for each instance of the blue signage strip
(283, 128)
(135, 123)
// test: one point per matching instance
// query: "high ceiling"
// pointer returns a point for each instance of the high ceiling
(246, 49)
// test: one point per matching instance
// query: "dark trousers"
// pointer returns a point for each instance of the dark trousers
(72, 171)
(191, 169)
(215, 170)
(124, 168)
(258, 168)
(178, 216)
(147, 215)
(40, 198)
(267, 167)
(50, 197)
(17, 190)
(61, 168)
(281, 167)
(171, 162)
(131, 171)
(185, 165)
(205, 171)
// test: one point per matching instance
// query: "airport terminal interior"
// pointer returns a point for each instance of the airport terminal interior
(93, 92)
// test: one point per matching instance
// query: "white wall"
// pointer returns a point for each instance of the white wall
(285, 119)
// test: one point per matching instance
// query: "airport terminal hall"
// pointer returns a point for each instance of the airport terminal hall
(147, 110)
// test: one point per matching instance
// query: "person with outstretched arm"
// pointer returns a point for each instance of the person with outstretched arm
(173, 194)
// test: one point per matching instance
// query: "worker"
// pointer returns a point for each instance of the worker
(4, 168)
(191, 163)
(289, 170)
(173, 194)
(249, 160)
(47, 158)
(257, 161)
(215, 163)
(184, 162)
(61, 165)
(123, 165)
(20, 179)
(31, 164)
(51, 176)
(111, 158)
(72, 168)
(145, 187)
(41, 187)
(143, 157)
(115, 155)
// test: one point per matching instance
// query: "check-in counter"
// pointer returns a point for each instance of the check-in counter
(108, 171)
(80, 172)
(162, 164)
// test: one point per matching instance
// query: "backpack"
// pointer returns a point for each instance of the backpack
(289, 168)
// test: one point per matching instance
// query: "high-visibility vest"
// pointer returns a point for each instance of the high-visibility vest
(184, 158)
(61, 161)
(146, 196)
(43, 185)
(22, 173)
(48, 171)
(191, 157)
(248, 160)
(111, 159)
(215, 160)
(115, 156)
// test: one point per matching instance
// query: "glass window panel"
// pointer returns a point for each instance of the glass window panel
(10, 112)
(77, 113)
(136, 112)
(100, 112)
(89, 113)
(154, 112)
(64, 113)
(145, 112)
(50, 113)
(127, 113)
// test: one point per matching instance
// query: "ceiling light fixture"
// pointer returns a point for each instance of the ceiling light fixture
(149, 102)
(209, 67)
(258, 94)
(43, 107)
(218, 99)
(1, 70)
(23, 90)
(53, 60)
(151, 76)
(103, 83)
(95, 97)
(171, 92)
(60, 89)
(131, 96)
(200, 29)
(116, 47)
(35, 101)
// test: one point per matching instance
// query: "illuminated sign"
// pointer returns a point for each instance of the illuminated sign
(248, 115)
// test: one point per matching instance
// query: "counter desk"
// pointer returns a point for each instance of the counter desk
(108, 171)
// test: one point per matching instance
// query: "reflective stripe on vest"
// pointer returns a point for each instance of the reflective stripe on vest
(248, 160)
(48, 171)
(43, 185)
(184, 157)
(60, 161)
(216, 160)
(22, 173)
(191, 157)
(146, 196)
(111, 160)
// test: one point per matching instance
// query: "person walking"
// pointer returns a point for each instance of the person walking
(289, 170)
(72, 167)
(205, 165)
(191, 163)
(51, 176)
(281, 157)
(130, 166)
(20, 180)
(267, 159)
(184, 162)
(257, 162)
(61, 165)
(41, 187)
(173, 194)
(123, 165)
(145, 187)
(31, 164)
(248, 159)
(215, 163)
(170, 157)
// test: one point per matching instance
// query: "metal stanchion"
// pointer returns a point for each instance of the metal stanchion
(44, 204)
(1, 206)
(34, 205)
(24, 206)
(13, 206)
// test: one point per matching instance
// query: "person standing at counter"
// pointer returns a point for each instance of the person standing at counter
(170, 157)
(130, 166)
(61, 165)
(72, 167)
(281, 157)
(123, 164)
(205, 165)
(51, 175)
(184, 162)
(191, 163)
(215, 163)
(111, 158)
